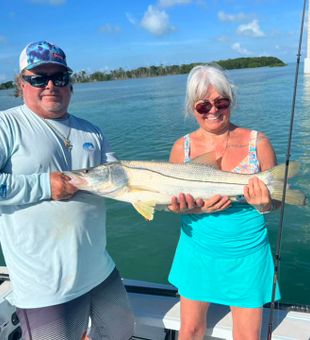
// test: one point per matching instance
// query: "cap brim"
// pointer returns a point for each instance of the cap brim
(32, 66)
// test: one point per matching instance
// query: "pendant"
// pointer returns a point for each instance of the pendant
(68, 144)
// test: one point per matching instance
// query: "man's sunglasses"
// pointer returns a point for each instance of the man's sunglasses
(204, 106)
(41, 80)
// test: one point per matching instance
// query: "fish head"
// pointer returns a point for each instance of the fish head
(101, 180)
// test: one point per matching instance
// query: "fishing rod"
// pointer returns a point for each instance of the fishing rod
(287, 161)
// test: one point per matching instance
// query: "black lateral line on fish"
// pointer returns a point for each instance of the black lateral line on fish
(184, 179)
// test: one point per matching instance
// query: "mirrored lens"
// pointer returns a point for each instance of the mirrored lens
(60, 79)
(37, 80)
(41, 80)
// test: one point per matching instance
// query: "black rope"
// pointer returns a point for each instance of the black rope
(288, 153)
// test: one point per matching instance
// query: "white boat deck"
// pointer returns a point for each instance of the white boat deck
(155, 313)
(163, 312)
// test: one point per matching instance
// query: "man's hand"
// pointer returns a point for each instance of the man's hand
(61, 187)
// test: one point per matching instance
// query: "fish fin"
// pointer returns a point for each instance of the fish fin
(146, 209)
(293, 169)
(139, 188)
(278, 172)
(294, 197)
(208, 158)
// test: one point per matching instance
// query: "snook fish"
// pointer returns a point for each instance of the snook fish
(149, 185)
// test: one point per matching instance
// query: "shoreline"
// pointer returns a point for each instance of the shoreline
(161, 70)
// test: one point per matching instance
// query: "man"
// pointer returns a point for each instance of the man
(53, 237)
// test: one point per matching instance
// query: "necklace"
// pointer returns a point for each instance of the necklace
(216, 148)
(221, 149)
(67, 142)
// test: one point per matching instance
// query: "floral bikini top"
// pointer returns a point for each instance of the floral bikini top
(250, 163)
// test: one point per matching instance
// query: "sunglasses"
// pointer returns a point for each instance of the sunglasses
(205, 106)
(41, 80)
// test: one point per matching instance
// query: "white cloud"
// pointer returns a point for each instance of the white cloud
(171, 3)
(156, 21)
(222, 39)
(237, 47)
(49, 2)
(252, 29)
(231, 17)
(131, 19)
(107, 28)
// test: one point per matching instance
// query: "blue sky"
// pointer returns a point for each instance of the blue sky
(107, 34)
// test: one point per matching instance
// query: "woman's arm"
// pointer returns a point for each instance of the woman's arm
(256, 192)
(177, 152)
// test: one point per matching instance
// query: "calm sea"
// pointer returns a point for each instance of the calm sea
(143, 117)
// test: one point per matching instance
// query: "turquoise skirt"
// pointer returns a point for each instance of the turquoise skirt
(234, 281)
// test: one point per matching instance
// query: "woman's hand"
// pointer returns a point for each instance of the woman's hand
(257, 194)
(186, 204)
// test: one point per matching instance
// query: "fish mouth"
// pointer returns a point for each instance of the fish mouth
(77, 181)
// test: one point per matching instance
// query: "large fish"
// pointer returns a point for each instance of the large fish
(149, 185)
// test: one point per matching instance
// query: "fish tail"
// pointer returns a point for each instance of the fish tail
(275, 177)
(294, 197)
(278, 172)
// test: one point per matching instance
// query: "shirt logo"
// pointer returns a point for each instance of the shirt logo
(88, 146)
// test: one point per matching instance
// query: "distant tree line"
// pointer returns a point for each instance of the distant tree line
(155, 71)
(237, 63)
(7, 85)
(162, 70)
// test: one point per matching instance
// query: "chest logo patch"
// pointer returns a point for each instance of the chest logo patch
(89, 146)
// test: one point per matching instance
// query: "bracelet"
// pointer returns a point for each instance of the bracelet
(261, 208)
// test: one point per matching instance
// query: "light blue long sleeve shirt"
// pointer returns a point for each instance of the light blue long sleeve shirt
(55, 251)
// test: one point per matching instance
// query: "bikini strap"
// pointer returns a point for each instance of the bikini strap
(253, 139)
(253, 160)
(187, 143)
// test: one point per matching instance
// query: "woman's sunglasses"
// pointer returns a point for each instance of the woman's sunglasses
(41, 80)
(205, 106)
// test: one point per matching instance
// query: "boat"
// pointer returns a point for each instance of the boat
(157, 315)
(9, 323)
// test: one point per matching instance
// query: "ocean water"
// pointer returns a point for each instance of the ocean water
(143, 117)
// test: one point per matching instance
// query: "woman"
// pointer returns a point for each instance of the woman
(223, 255)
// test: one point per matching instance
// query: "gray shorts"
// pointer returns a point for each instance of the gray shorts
(106, 305)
